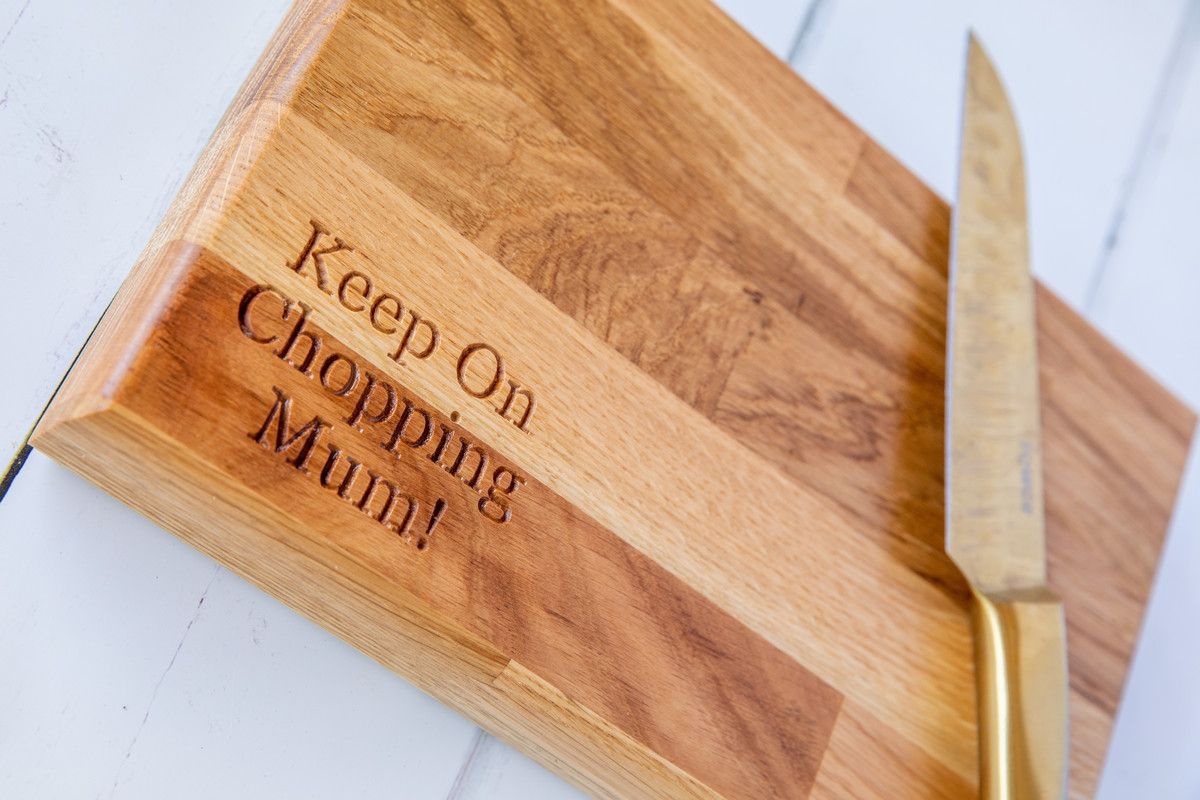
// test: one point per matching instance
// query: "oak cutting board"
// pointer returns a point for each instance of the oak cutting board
(581, 364)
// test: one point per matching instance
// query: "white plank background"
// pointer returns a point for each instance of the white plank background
(132, 666)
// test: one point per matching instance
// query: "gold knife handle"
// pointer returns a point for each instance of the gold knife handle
(1021, 681)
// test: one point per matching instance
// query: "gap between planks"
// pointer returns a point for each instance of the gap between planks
(1159, 119)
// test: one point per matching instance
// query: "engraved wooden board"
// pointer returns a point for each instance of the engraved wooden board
(584, 366)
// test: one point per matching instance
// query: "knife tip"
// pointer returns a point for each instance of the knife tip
(975, 48)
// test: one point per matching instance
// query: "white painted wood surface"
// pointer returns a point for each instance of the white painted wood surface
(152, 672)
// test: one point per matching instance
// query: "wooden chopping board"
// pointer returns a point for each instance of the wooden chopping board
(584, 366)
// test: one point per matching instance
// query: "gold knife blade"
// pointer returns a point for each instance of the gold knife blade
(995, 524)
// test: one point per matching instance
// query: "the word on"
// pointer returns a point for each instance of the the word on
(479, 367)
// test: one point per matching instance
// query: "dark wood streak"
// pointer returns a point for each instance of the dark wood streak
(636, 633)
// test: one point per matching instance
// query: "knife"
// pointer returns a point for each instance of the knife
(995, 525)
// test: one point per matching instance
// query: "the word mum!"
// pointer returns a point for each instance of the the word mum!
(374, 407)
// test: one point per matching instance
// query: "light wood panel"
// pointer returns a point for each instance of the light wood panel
(711, 563)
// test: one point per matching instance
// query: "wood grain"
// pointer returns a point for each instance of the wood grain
(722, 570)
